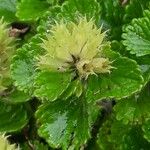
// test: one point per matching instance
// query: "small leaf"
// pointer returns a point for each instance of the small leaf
(29, 10)
(124, 80)
(51, 85)
(12, 117)
(64, 123)
(136, 35)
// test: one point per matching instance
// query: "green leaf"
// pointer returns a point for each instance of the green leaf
(111, 16)
(134, 108)
(132, 6)
(136, 36)
(124, 80)
(103, 137)
(117, 136)
(15, 96)
(51, 85)
(23, 68)
(74, 88)
(146, 129)
(29, 10)
(64, 123)
(8, 9)
(12, 117)
(144, 63)
(71, 8)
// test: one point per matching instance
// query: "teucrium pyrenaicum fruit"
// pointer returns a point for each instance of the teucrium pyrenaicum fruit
(75, 47)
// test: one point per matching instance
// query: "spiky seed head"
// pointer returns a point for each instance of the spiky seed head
(75, 46)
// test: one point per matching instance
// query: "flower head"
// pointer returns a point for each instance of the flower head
(75, 47)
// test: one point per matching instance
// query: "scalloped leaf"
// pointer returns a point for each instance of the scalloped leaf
(29, 10)
(134, 108)
(8, 9)
(51, 85)
(12, 117)
(124, 80)
(23, 68)
(117, 136)
(64, 123)
(136, 35)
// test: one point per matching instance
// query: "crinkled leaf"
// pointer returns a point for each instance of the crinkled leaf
(31, 9)
(136, 35)
(23, 68)
(124, 80)
(8, 9)
(51, 85)
(134, 108)
(64, 123)
(12, 117)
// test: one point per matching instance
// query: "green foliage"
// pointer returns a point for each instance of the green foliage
(35, 145)
(8, 9)
(62, 125)
(130, 109)
(14, 117)
(121, 136)
(132, 7)
(120, 83)
(51, 85)
(137, 35)
(30, 10)
(62, 86)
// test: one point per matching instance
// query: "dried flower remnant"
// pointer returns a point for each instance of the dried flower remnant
(75, 47)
